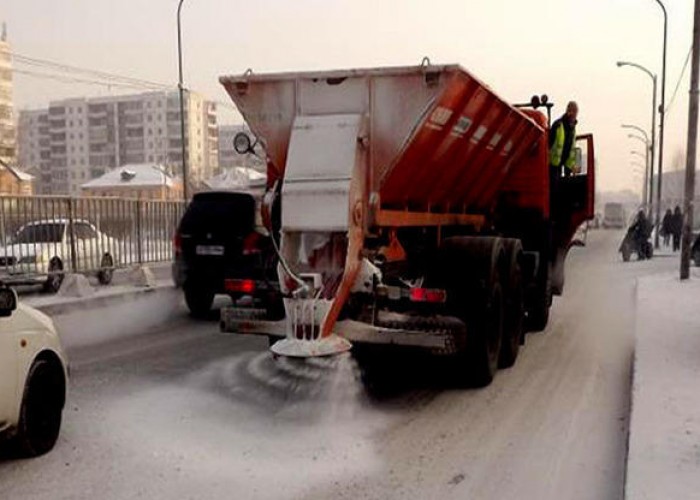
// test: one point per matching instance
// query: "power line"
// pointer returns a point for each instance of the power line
(680, 79)
(92, 76)
(70, 79)
(103, 75)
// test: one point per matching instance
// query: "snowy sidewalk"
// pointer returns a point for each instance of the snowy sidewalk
(664, 445)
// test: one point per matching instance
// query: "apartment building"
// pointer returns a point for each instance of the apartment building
(34, 148)
(7, 119)
(76, 140)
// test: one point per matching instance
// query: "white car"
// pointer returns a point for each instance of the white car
(33, 377)
(40, 253)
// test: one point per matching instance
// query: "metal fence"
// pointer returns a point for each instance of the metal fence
(41, 235)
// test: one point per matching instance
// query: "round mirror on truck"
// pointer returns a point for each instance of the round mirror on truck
(242, 143)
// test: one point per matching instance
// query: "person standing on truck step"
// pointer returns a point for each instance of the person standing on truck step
(562, 153)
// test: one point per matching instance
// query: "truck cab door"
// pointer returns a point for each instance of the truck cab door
(575, 205)
(579, 189)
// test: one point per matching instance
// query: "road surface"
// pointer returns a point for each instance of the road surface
(178, 410)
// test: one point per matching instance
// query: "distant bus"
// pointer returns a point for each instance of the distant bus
(614, 216)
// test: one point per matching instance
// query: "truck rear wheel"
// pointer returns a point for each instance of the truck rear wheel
(471, 271)
(514, 304)
(538, 310)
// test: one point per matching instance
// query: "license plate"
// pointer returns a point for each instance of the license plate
(209, 250)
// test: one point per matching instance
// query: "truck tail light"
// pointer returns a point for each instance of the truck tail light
(429, 295)
(240, 286)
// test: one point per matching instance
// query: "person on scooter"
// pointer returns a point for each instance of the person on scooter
(641, 229)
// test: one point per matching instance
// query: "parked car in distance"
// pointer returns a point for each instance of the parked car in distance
(33, 377)
(40, 253)
(614, 216)
(222, 248)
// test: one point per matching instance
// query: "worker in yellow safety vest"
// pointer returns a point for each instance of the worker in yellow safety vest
(562, 153)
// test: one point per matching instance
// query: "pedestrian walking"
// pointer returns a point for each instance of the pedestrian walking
(677, 228)
(667, 227)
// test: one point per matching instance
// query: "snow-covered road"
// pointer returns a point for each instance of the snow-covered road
(182, 411)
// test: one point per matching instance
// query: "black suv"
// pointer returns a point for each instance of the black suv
(221, 249)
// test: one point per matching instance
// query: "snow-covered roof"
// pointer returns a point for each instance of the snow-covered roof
(133, 175)
(237, 178)
(19, 174)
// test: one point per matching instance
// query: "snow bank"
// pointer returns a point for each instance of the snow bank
(75, 285)
(664, 448)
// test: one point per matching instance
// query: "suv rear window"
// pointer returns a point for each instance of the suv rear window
(219, 212)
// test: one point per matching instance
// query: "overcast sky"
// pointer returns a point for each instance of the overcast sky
(565, 48)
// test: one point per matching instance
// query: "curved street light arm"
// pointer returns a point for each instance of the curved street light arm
(639, 138)
(638, 129)
(620, 64)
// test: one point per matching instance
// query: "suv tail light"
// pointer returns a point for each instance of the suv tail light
(240, 286)
(250, 244)
(177, 243)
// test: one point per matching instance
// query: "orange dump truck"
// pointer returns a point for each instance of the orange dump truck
(411, 209)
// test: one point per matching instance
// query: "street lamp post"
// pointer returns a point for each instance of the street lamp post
(181, 91)
(662, 119)
(646, 168)
(650, 177)
(653, 129)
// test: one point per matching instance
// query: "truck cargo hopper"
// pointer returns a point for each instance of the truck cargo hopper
(361, 151)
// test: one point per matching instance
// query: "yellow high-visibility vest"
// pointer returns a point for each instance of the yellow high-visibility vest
(557, 149)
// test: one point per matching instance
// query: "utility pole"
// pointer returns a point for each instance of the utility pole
(688, 204)
(662, 117)
(181, 90)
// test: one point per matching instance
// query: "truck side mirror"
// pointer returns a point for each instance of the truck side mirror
(242, 143)
(8, 302)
